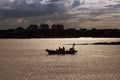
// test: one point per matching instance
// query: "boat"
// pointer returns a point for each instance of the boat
(62, 51)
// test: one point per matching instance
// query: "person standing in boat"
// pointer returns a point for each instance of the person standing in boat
(73, 48)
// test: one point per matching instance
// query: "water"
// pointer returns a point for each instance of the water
(26, 59)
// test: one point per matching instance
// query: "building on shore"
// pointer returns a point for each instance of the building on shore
(32, 27)
(44, 27)
(57, 27)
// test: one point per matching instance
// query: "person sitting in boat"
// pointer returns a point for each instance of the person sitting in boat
(63, 48)
(59, 48)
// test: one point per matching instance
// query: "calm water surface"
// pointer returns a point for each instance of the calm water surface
(26, 59)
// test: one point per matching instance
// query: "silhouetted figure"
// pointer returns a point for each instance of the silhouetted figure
(73, 48)
(59, 48)
(63, 48)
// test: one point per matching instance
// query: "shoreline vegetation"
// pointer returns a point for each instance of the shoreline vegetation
(107, 43)
(99, 43)
(57, 31)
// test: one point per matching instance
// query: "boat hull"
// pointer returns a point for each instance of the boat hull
(53, 52)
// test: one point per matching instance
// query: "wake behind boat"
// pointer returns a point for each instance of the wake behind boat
(62, 51)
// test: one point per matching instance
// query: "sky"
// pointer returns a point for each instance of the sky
(72, 13)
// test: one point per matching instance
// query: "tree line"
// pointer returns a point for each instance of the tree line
(57, 31)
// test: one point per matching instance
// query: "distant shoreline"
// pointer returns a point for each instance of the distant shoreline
(99, 43)
(57, 31)
(107, 43)
(55, 37)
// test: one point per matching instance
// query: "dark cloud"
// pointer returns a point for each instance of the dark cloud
(103, 11)
(76, 3)
(31, 8)
(24, 9)
(114, 6)
(117, 0)
(31, 11)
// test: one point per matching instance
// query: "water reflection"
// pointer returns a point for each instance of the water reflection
(27, 60)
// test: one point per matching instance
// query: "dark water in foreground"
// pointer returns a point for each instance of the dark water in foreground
(26, 59)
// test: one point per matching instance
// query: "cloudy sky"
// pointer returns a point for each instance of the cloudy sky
(71, 13)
